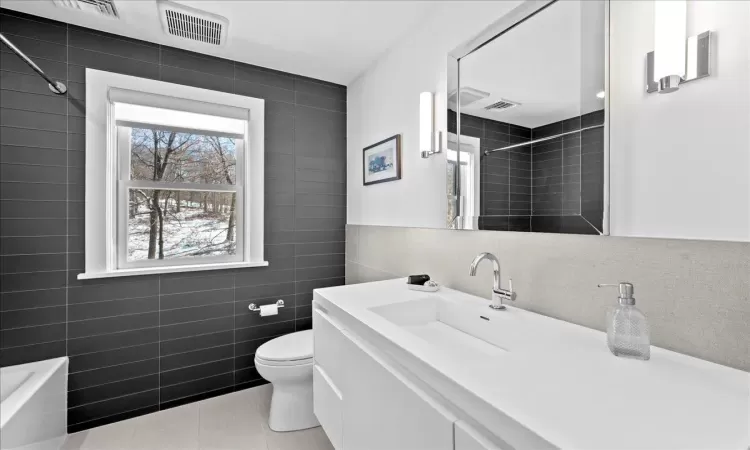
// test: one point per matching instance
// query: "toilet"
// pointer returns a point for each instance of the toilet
(287, 362)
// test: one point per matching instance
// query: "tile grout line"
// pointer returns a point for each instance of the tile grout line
(158, 332)
(67, 195)
(234, 277)
(156, 357)
(580, 173)
(16, 127)
(117, 413)
(116, 397)
(115, 381)
(294, 198)
(531, 181)
(159, 277)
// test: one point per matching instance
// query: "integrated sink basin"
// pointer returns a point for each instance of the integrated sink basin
(455, 327)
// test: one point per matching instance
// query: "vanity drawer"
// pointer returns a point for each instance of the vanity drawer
(329, 346)
(383, 409)
(327, 405)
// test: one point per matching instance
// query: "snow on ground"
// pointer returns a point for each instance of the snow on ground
(191, 232)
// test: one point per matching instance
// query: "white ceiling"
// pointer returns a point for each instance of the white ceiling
(329, 40)
(553, 65)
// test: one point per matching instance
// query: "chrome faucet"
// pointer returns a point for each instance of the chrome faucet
(498, 293)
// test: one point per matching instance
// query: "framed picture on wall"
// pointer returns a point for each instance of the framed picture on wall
(382, 161)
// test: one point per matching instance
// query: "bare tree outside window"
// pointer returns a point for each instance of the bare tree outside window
(170, 223)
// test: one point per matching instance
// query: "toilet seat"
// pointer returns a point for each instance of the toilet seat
(296, 362)
(294, 349)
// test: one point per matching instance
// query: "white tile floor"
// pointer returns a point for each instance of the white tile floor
(234, 421)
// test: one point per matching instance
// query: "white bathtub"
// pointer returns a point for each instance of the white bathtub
(33, 404)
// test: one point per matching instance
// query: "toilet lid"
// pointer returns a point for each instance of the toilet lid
(290, 347)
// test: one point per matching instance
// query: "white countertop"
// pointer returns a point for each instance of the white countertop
(560, 380)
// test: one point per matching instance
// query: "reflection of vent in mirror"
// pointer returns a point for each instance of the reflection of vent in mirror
(190, 23)
(104, 7)
(502, 104)
(468, 96)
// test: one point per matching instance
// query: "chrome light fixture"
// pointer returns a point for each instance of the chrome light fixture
(675, 60)
(429, 141)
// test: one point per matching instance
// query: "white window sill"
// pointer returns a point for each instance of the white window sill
(169, 269)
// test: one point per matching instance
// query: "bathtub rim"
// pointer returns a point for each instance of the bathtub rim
(43, 371)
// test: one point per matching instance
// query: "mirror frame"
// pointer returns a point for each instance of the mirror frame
(515, 17)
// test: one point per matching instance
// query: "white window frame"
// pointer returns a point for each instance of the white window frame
(108, 173)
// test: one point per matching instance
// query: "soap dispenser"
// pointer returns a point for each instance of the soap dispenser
(627, 328)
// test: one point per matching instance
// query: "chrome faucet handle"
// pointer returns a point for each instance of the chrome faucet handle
(511, 292)
(508, 294)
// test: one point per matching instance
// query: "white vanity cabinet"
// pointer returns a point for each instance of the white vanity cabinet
(467, 438)
(397, 369)
(363, 402)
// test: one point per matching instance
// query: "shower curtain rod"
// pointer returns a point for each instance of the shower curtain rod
(54, 86)
(535, 141)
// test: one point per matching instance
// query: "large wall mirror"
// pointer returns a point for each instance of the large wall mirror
(527, 146)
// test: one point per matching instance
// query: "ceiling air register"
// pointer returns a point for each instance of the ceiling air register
(192, 24)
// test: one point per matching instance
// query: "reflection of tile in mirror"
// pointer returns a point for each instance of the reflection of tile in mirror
(547, 91)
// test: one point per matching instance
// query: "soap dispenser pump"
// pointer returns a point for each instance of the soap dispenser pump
(627, 328)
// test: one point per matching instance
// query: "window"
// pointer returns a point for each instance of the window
(179, 187)
(180, 184)
(463, 164)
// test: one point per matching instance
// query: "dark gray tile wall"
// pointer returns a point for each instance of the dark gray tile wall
(137, 345)
(592, 169)
(554, 186)
(505, 176)
(556, 166)
(560, 188)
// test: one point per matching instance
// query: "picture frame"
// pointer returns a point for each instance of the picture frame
(381, 162)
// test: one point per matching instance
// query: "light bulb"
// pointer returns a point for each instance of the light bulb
(670, 29)
(426, 122)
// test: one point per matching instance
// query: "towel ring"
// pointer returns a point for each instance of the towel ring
(254, 307)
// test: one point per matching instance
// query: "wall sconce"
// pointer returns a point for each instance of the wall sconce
(429, 141)
(675, 61)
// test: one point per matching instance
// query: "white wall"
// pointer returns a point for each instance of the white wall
(681, 161)
(385, 101)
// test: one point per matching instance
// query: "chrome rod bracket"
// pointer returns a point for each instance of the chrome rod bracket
(54, 86)
(255, 308)
(58, 88)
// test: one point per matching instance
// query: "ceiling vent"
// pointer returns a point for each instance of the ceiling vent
(469, 95)
(103, 7)
(501, 105)
(192, 24)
